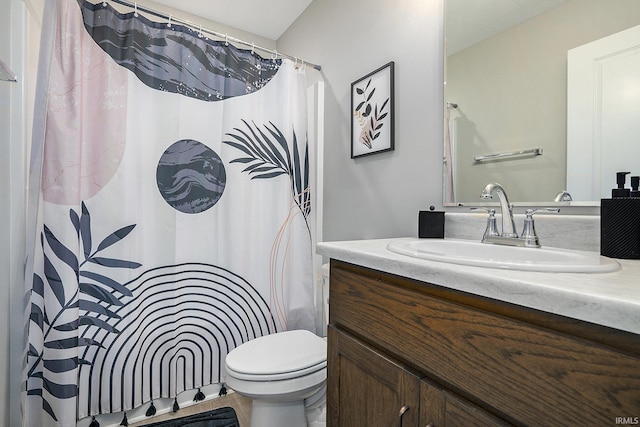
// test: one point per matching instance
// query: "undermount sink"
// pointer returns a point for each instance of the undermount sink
(467, 252)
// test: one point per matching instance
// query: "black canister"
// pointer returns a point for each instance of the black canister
(431, 224)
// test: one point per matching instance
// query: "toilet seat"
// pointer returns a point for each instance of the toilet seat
(275, 377)
(280, 356)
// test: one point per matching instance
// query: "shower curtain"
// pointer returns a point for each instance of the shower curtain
(170, 210)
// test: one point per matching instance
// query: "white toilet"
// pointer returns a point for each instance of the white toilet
(285, 374)
(282, 373)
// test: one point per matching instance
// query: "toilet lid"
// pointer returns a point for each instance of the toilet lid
(279, 353)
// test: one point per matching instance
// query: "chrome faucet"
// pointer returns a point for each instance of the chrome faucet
(509, 236)
(563, 196)
(508, 225)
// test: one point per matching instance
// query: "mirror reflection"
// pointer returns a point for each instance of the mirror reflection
(509, 114)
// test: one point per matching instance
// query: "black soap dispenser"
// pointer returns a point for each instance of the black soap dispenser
(620, 221)
(635, 183)
(621, 178)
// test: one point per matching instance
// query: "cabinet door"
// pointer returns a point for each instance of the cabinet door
(367, 389)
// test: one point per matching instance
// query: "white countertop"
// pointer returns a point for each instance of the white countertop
(609, 299)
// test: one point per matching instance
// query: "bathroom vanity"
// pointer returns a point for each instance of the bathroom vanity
(422, 343)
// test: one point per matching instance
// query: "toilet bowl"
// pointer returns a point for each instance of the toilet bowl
(281, 373)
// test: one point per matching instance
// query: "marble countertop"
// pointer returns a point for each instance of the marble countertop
(609, 299)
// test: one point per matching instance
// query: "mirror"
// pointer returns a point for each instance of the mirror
(506, 92)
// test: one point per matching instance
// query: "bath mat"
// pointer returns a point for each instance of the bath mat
(221, 417)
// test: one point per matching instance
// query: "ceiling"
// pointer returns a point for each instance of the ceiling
(269, 19)
(467, 21)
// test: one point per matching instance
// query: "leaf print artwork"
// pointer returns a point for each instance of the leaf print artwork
(370, 124)
(372, 112)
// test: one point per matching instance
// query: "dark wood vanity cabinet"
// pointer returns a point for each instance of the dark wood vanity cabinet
(408, 353)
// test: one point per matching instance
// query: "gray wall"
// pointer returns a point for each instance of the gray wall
(380, 195)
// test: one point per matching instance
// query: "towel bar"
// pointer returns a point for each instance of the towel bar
(503, 154)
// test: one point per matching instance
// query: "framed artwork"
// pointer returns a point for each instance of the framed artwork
(372, 109)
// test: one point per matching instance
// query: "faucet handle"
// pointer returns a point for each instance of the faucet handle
(490, 211)
(492, 227)
(530, 212)
(529, 231)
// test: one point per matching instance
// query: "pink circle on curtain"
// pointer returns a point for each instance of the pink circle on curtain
(85, 130)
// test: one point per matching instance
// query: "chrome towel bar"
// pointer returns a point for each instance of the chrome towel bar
(503, 154)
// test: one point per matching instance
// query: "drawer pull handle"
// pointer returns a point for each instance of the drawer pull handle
(404, 409)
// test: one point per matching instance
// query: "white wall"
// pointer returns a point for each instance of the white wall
(379, 195)
(12, 212)
(5, 100)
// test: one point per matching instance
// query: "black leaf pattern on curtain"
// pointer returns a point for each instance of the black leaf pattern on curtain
(98, 289)
(267, 155)
(176, 59)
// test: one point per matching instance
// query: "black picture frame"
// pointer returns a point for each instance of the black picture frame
(372, 111)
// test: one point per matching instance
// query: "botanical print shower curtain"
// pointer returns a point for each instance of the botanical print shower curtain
(172, 220)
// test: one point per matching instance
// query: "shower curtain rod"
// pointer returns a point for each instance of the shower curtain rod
(218, 34)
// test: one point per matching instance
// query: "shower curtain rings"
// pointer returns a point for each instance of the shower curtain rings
(192, 27)
(226, 40)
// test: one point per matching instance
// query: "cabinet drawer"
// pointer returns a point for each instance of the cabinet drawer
(522, 372)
